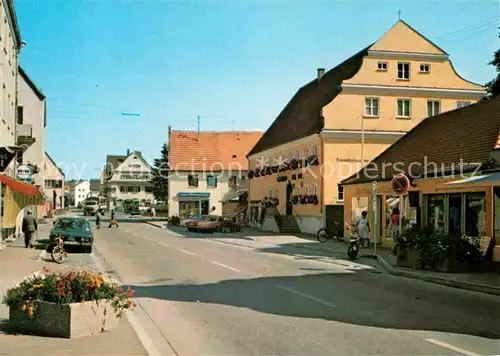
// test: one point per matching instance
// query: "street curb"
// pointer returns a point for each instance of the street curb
(475, 287)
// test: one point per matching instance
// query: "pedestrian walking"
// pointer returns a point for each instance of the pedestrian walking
(364, 228)
(153, 212)
(97, 220)
(113, 222)
(29, 227)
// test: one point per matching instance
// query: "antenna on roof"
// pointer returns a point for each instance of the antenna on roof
(399, 15)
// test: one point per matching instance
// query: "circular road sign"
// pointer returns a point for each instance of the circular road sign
(400, 184)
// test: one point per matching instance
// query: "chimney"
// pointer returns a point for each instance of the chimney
(128, 152)
(321, 73)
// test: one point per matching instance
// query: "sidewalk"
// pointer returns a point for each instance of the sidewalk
(16, 263)
(267, 241)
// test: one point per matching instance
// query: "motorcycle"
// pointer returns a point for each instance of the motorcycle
(354, 243)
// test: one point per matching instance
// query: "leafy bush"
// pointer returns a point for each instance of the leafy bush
(174, 221)
(66, 288)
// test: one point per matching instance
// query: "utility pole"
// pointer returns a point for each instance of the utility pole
(198, 124)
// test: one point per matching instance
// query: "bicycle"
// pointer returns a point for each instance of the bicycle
(58, 252)
(335, 233)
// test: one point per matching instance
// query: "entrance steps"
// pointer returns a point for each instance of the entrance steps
(287, 224)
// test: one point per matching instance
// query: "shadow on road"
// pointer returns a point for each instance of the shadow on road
(183, 232)
(356, 298)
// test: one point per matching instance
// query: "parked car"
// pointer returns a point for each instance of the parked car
(206, 224)
(75, 231)
(191, 220)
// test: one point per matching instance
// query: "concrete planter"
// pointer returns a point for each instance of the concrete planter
(408, 258)
(451, 265)
(65, 320)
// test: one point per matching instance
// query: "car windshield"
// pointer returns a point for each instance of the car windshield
(71, 224)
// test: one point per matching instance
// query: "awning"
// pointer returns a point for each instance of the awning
(232, 195)
(18, 186)
(489, 177)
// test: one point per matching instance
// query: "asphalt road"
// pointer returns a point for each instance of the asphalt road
(208, 297)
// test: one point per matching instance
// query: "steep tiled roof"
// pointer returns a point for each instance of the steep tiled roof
(210, 150)
(112, 162)
(95, 184)
(55, 164)
(302, 117)
(464, 136)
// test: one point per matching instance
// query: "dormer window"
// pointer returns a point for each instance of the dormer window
(382, 66)
(425, 68)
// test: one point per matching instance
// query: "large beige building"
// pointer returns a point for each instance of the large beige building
(10, 45)
(347, 116)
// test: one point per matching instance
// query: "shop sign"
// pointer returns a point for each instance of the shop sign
(6, 156)
(24, 172)
(194, 194)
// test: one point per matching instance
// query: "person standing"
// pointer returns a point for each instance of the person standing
(153, 212)
(29, 227)
(364, 228)
(113, 221)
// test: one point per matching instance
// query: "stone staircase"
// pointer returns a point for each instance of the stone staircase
(287, 224)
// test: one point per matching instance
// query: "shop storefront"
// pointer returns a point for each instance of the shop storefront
(15, 196)
(194, 203)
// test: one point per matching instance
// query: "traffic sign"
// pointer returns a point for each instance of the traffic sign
(400, 184)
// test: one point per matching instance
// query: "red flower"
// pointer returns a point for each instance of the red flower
(120, 289)
(45, 270)
(130, 292)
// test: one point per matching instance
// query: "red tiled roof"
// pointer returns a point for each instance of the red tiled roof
(302, 117)
(190, 150)
(18, 186)
(464, 137)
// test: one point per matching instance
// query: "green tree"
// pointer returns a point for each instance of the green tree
(493, 87)
(160, 175)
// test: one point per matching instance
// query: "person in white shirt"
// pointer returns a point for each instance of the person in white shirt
(363, 228)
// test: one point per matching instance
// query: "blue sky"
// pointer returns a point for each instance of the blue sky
(235, 64)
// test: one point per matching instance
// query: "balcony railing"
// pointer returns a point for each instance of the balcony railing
(25, 134)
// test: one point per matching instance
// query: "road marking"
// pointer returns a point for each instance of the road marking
(310, 297)
(225, 266)
(163, 244)
(187, 252)
(451, 347)
(147, 238)
(132, 316)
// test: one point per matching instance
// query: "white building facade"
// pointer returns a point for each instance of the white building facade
(128, 179)
(54, 184)
(31, 125)
(80, 191)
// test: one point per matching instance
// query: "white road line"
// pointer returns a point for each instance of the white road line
(310, 297)
(132, 317)
(187, 252)
(163, 244)
(451, 347)
(225, 266)
(147, 238)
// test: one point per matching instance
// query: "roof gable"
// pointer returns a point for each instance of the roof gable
(302, 116)
(135, 158)
(463, 137)
(112, 162)
(216, 151)
(403, 38)
(54, 164)
(31, 84)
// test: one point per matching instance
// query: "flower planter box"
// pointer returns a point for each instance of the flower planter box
(65, 320)
(450, 265)
(408, 258)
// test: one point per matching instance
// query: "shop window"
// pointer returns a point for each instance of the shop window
(211, 181)
(192, 180)
(455, 214)
(435, 212)
(474, 214)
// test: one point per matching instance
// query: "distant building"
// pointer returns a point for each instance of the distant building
(127, 178)
(208, 169)
(79, 190)
(53, 184)
(95, 187)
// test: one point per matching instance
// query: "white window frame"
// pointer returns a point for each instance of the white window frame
(369, 106)
(403, 116)
(382, 66)
(433, 103)
(423, 68)
(463, 103)
(403, 71)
